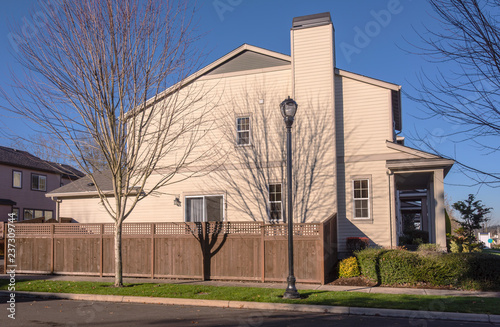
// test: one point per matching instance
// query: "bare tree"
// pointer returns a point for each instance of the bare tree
(251, 169)
(43, 146)
(467, 96)
(109, 74)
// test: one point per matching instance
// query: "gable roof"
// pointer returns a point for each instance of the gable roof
(23, 159)
(260, 58)
(366, 79)
(248, 60)
(84, 186)
(417, 159)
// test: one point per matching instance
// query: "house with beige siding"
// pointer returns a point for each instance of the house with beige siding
(349, 158)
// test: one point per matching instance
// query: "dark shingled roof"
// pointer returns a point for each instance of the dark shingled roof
(23, 159)
(7, 202)
(85, 184)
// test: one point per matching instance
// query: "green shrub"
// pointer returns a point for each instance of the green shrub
(398, 267)
(349, 268)
(461, 270)
(428, 248)
(367, 260)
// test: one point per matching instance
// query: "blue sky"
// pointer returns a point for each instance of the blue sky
(389, 28)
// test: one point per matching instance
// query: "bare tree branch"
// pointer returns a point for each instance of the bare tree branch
(96, 76)
(466, 97)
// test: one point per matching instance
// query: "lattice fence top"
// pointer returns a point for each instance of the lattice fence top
(178, 229)
(33, 229)
(234, 228)
(298, 230)
(77, 229)
(240, 228)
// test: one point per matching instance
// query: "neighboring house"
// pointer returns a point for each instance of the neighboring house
(25, 179)
(348, 156)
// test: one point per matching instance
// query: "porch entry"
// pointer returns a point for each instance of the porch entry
(204, 208)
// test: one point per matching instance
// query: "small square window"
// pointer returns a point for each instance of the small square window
(17, 179)
(243, 130)
(38, 182)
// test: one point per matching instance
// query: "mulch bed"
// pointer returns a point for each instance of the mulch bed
(362, 281)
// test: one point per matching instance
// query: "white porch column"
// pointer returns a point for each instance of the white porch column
(439, 215)
(394, 208)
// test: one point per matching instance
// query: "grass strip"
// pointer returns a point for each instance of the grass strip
(464, 304)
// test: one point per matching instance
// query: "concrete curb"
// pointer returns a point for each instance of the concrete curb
(395, 313)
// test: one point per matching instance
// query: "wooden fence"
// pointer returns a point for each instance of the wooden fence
(224, 251)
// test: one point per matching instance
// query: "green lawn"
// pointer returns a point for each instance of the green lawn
(352, 299)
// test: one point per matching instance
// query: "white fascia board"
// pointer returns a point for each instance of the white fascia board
(368, 80)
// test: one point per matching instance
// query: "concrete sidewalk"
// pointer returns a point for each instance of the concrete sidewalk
(300, 286)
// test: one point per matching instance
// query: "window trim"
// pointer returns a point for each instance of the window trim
(204, 196)
(39, 175)
(21, 178)
(249, 130)
(370, 196)
(33, 213)
(269, 202)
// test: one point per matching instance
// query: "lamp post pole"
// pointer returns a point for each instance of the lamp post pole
(288, 110)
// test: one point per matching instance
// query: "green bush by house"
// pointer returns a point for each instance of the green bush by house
(478, 271)
(349, 268)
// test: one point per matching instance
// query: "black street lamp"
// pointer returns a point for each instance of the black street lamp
(288, 110)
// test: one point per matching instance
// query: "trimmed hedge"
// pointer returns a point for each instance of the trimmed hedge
(479, 271)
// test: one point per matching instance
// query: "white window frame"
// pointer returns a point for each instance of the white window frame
(204, 196)
(20, 173)
(367, 199)
(271, 202)
(249, 130)
(40, 177)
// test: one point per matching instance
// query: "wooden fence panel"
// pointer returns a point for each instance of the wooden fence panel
(237, 257)
(77, 255)
(241, 251)
(33, 254)
(178, 257)
(136, 254)
(108, 255)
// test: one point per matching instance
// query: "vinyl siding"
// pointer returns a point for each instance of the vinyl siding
(363, 121)
(313, 78)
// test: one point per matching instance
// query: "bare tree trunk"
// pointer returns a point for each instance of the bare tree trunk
(118, 255)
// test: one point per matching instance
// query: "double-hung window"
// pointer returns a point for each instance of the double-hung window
(17, 179)
(361, 198)
(243, 130)
(38, 182)
(275, 204)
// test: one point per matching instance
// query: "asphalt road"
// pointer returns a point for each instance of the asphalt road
(39, 312)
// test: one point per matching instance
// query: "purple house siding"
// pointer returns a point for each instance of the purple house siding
(24, 181)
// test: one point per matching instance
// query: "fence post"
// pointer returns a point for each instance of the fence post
(321, 255)
(153, 250)
(101, 259)
(263, 251)
(52, 256)
(204, 242)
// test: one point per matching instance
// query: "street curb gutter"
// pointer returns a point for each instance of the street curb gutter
(395, 313)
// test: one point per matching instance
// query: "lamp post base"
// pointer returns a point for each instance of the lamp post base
(291, 292)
